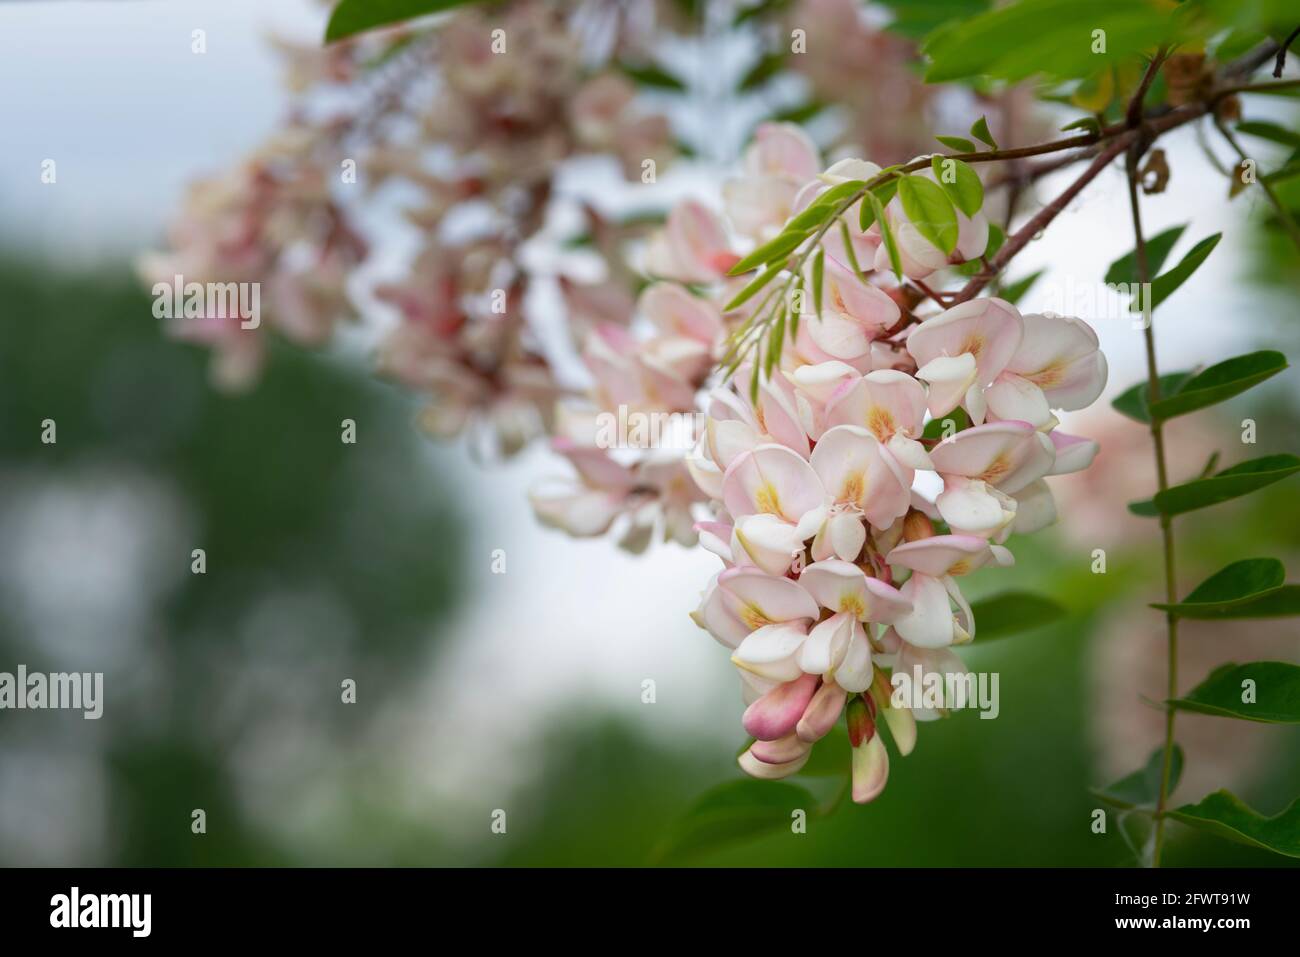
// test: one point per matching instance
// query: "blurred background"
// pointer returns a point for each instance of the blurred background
(521, 691)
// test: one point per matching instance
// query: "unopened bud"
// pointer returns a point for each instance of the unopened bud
(822, 712)
(916, 526)
(870, 770)
(861, 725)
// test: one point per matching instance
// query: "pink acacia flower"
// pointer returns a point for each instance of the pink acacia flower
(854, 313)
(984, 356)
(982, 469)
(692, 247)
(777, 165)
(933, 562)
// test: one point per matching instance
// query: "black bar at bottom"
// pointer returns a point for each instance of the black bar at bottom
(332, 906)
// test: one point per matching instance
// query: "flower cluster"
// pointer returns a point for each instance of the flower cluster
(470, 125)
(886, 455)
(272, 220)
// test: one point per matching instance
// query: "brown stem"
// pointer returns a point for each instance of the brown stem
(1134, 115)
(1019, 239)
(1142, 140)
(1280, 62)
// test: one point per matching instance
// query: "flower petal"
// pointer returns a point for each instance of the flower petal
(1061, 355)
(1006, 455)
(855, 470)
(949, 379)
(772, 480)
(770, 542)
(885, 403)
(989, 329)
(870, 770)
(826, 644)
(775, 714)
(929, 625)
(942, 555)
(822, 713)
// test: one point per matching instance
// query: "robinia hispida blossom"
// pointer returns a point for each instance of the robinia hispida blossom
(838, 570)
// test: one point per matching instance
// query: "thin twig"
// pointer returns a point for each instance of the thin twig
(1280, 62)
(1142, 140)
(1284, 214)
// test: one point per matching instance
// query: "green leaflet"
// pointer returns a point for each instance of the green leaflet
(1012, 612)
(356, 16)
(1141, 789)
(1124, 269)
(980, 130)
(1226, 815)
(1164, 286)
(1251, 588)
(1132, 402)
(1264, 691)
(1219, 382)
(960, 182)
(732, 812)
(928, 208)
(1241, 479)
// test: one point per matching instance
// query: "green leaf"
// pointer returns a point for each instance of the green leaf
(763, 278)
(818, 271)
(1274, 694)
(1087, 123)
(775, 343)
(648, 74)
(1141, 789)
(930, 211)
(1012, 612)
(980, 130)
(966, 191)
(1232, 591)
(1013, 292)
(812, 217)
(840, 192)
(917, 18)
(1124, 269)
(1220, 382)
(1132, 402)
(934, 428)
(1225, 815)
(730, 813)
(777, 248)
(1163, 286)
(887, 235)
(867, 209)
(356, 16)
(1053, 37)
(1241, 479)
(1270, 131)
(958, 143)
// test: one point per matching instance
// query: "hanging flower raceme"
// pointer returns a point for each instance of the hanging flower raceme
(843, 524)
